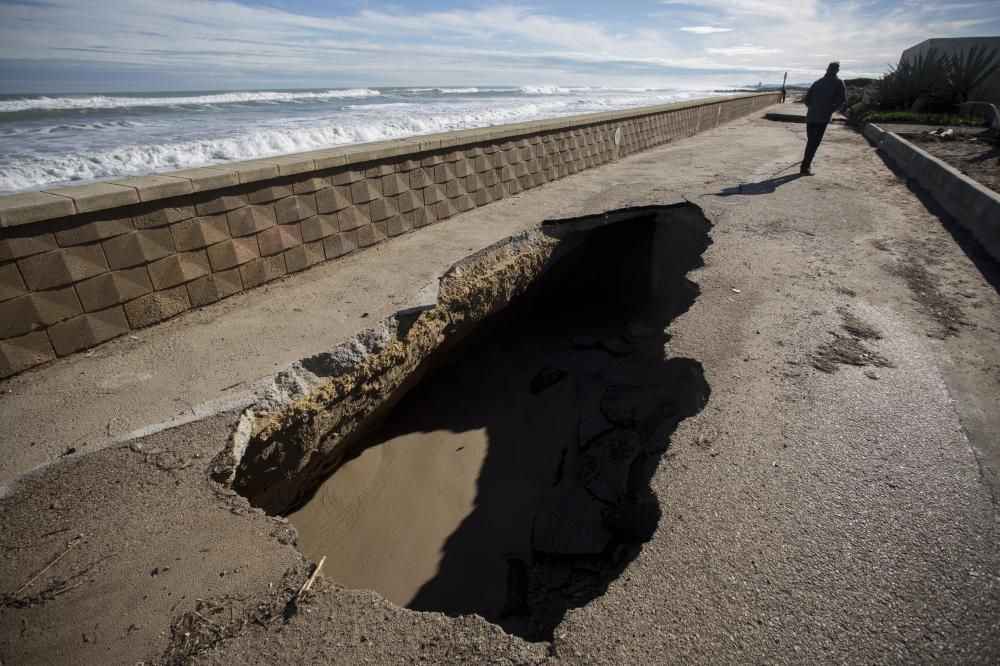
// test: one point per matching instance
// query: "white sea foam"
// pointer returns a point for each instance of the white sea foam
(134, 145)
(544, 90)
(115, 102)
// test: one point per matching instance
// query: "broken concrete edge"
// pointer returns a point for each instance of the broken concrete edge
(50, 203)
(973, 205)
(317, 406)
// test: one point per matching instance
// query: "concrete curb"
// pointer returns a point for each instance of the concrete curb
(976, 207)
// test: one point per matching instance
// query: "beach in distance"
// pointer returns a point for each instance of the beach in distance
(52, 140)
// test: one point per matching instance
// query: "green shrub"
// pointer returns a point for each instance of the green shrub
(857, 112)
(919, 118)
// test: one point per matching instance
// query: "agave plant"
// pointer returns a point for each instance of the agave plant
(920, 81)
(965, 72)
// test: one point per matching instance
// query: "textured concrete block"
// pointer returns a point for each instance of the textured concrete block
(305, 255)
(37, 310)
(113, 288)
(163, 213)
(465, 202)
(65, 266)
(178, 269)
(464, 168)
(382, 209)
(483, 196)
(24, 243)
(88, 229)
(346, 177)
(212, 203)
(251, 220)
(310, 185)
(490, 178)
(443, 173)
(409, 200)
(364, 191)
(318, 227)
(370, 234)
(421, 217)
(333, 199)
(473, 183)
(278, 239)
(18, 209)
(214, 287)
(431, 161)
(11, 284)
(397, 225)
(27, 351)
(420, 178)
(263, 270)
(433, 194)
(507, 174)
(454, 188)
(269, 193)
(340, 244)
(483, 164)
(88, 330)
(395, 183)
(352, 218)
(152, 308)
(295, 208)
(140, 247)
(235, 252)
(199, 232)
(445, 209)
(380, 170)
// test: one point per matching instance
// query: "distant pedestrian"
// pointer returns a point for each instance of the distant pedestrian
(824, 97)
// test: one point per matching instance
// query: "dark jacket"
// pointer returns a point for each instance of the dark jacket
(824, 97)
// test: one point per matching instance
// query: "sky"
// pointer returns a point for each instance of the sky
(160, 45)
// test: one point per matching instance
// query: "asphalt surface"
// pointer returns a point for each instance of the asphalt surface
(807, 516)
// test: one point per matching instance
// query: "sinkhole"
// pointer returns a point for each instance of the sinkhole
(493, 454)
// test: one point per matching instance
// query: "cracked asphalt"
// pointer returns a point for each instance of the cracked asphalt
(807, 516)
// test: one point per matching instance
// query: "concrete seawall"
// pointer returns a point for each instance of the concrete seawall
(976, 207)
(82, 265)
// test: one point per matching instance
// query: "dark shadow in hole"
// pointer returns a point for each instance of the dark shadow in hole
(763, 187)
(973, 249)
(571, 389)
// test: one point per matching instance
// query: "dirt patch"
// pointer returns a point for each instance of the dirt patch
(926, 289)
(846, 350)
(972, 153)
(858, 327)
(849, 349)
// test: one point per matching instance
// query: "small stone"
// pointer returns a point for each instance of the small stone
(546, 378)
(56, 505)
(871, 374)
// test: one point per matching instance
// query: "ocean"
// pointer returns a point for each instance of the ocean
(55, 140)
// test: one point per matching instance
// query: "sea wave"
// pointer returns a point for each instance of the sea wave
(544, 90)
(111, 149)
(44, 103)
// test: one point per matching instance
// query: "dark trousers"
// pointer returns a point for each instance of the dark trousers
(814, 134)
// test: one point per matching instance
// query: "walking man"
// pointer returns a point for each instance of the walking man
(824, 97)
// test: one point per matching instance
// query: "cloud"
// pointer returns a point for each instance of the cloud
(246, 44)
(705, 29)
(744, 50)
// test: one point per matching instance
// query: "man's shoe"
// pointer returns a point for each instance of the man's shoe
(805, 172)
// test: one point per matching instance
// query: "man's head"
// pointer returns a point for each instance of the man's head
(833, 68)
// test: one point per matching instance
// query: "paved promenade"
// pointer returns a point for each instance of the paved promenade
(809, 516)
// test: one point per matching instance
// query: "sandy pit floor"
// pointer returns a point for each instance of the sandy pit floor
(544, 417)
